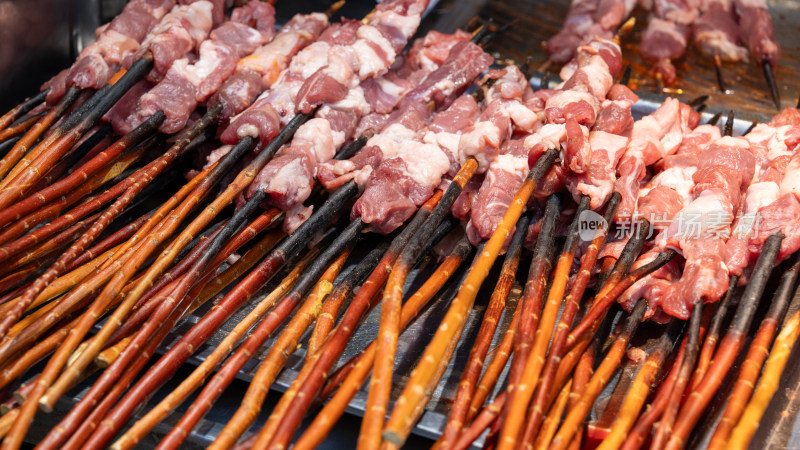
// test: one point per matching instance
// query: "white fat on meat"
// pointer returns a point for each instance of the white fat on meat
(311, 59)
(394, 135)
(509, 163)
(112, 46)
(372, 34)
(247, 130)
(211, 56)
(600, 80)
(342, 63)
(354, 101)
(524, 119)
(791, 177)
(393, 89)
(759, 195)
(447, 142)
(704, 216)
(199, 16)
(445, 86)
(678, 179)
(548, 136)
(471, 143)
(370, 64)
(563, 98)
(317, 132)
(425, 163)
(406, 24)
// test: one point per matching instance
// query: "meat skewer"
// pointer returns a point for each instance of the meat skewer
(195, 19)
(398, 426)
(716, 35)
(525, 342)
(390, 304)
(88, 353)
(321, 363)
(343, 194)
(755, 25)
(729, 346)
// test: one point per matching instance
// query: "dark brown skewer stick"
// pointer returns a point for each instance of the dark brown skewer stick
(22, 109)
(720, 78)
(769, 77)
(687, 365)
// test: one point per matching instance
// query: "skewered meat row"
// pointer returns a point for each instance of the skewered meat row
(399, 169)
(289, 177)
(115, 42)
(323, 73)
(586, 20)
(187, 84)
(591, 139)
(177, 33)
(716, 32)
(723, 29)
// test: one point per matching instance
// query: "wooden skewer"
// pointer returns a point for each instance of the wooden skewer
(31, 168)
(720, 78)
(35, 132)
(770, 379)
(676, 395)
(403, 415)
(728, 348)
(160, 372)
(710, 342)
(285, 344)
(601, 304)
(641, 429)
(472, 372)
(572, 304)
(773, 87)
(391, 306)
(22, 109)
(521, 395)
(600, 378)
(757, 354)
(361, 364)
(314, 372)
(637, 394)
(21, 127)
(167, 406)
(487, 416)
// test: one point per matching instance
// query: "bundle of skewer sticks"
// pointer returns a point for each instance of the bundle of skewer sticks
(86, 242)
